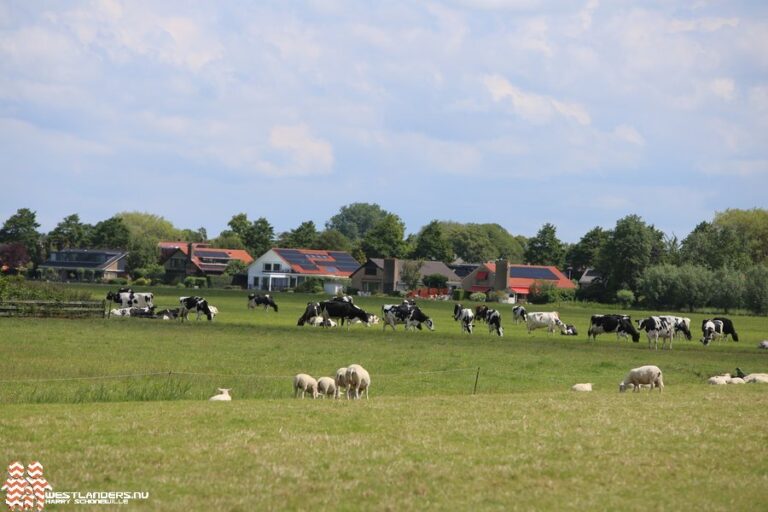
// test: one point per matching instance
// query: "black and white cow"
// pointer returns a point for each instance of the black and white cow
(570, 330)
(657, 327)
(256, 299)
(465, 316)
(417, 318)
(342, 310)
(493, 317)
(518, 314)
(127, 298)
(549, 319)
(718, 327)
(199, 304)
(394, 314)
(312, 310)
(620, 324)
(481, 312)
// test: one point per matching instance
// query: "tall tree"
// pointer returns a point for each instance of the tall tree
(148, 225)
(385, 238)
(751, 226)
(545, 248)
(257, 236)
(432, 244)
(626, 254)
(714, 246)
(332, 240)
(304, 236)
(585, 253)
(22, 227)
(68, 233)
(110, 234)
(472, 245)
(356, 219)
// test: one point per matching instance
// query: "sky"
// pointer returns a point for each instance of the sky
(519, 112)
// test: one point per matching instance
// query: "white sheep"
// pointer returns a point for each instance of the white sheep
(582, 387)
(341, 381)
(763, 344)
(718, 380)
(223, 395)
(648, 374)
(736, 380)
(326, 386)
(358, 380)
(757, 378)
(304, 383)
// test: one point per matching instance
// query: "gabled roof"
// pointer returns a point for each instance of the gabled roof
(97, 259)
(205, 257)
(522, 277)
(427, 268)
(318, 262)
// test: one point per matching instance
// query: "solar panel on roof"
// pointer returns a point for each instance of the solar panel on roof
(211, 254)
(309, 266)
(532, 273)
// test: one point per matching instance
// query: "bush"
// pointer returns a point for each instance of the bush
(192, 282)
(18, 288)
(626, 298)
(435, 281)
(118, 280)
(351, 290)
(756, 293)
(142, 281)
(477, 297)
(498, 296)
(310, 285)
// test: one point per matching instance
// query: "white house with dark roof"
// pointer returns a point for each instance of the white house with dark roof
(280, 269)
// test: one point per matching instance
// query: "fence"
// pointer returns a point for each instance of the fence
(52, 308)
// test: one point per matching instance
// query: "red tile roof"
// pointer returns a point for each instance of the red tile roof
(523, 284)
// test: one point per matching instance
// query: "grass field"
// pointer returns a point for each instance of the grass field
(524, 441)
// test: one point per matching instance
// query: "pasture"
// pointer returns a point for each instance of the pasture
(423, 440)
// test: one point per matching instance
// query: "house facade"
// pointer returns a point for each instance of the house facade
(182, 259)
(516, 280)
(383, 275)
(280, 269)
(68, 263)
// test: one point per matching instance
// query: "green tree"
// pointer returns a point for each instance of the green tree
(332, 240)
(756, 292)
(355, 220)
(729, 289)
(68, 233)
(750, 226)
(236, 267)
(626, 254)
(586, 252)
(200, 235)
(435, 281)
(147, 225)
(228, 240)
(110, 234)
(431, 244)
(506, 245)
(257, 235)
(143, 252)
(545, 248)
(385, 238)
(473, 245)
(410, 274)
(22, 227)
(304, 236)
(715, 246)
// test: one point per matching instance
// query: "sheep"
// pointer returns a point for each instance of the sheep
(341, 381)
(358, 380)
(757, 378)
(304, 383)
(736, 380)
(763, 344)
(718, 380)
(582, 387)
(326, 386)
(648, 374)
(223, 395)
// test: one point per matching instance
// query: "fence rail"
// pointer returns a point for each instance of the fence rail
(52, 308)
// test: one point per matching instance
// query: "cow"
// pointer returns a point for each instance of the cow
(681, 324)
(620, 324)
(394, 314)
(312, 310)
(518, 314)
(723, 329)
(127, 298)
(657, 327)
(342, 310)
(169, 314)
(550, 320)
(148, 312)
(199, 304)
(255, 299)
(465, 316)
(493, 317)
(481, 312)
(417, 318)
(570, 330)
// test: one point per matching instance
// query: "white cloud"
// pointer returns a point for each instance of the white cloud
(531, 106)
(306, 153)
(701, 24)
(723, 88)
(629, 134)
(737, 167)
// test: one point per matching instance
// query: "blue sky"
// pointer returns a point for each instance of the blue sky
(519, 112)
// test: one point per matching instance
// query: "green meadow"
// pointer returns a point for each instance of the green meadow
(454, 422)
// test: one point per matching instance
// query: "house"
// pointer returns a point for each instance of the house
(384, 275)
(104, 263)
(514, 279)
(589, 276)
(182, 259)
(279, 269)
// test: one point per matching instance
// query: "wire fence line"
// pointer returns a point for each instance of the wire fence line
(203, 374)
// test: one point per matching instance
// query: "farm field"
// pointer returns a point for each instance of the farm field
(423, 440)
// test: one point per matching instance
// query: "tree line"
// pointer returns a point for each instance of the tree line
(633, 256)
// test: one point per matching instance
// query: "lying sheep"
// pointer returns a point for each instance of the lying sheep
(223, 395)
(582, 387)
(719, 380)
(341, 381)
(736, 380)
(358, 380)
(757, 378)
(304, 383)
(326, 386)
(763, 344)
(648, 374)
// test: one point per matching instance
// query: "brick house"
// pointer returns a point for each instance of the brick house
(514, 279)
(382, 275)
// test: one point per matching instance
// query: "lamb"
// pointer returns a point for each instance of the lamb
(648, 374)
(358, 380)
(582, 387)
(304, 383)
(719, 380)
(757, 378)
(326, 386)
(341, 381)
(223, 395)
(736, 380)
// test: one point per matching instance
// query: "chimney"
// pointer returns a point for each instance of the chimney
(391, 275)
(190, 248)
(501, 280)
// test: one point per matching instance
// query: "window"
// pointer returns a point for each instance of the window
(276, 267)
(267, 267)
(482, 276)
(370, 271)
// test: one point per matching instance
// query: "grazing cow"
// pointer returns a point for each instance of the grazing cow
(493, 317)
(465, 316)
(620, 324)
(199, 304)
(481, 312)
(312, 310)
(518, 313)
(255, 299)
(342, 310)
(570, 330)
(721, 328)
(657, 327)
(417, 318)
(127, 298)
(550, 320)
(394, 314)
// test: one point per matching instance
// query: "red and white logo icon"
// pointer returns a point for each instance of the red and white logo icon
(25, 492)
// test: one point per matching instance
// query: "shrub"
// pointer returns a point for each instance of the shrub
(351, 290)
(498, 296)
(18, 288)
(543, 292)
(756, 293)
(625, 297)
(142, 281)
(192, 282)
(118, 280)
(435, 281)
(477, 297)
(310, 285)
